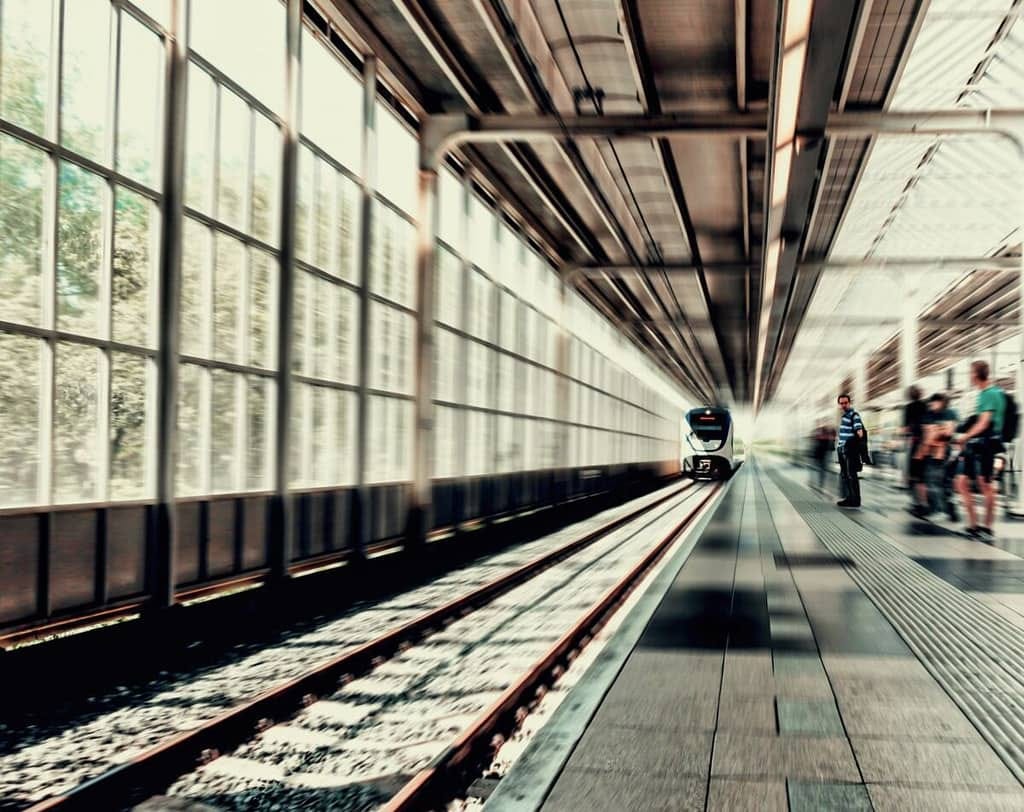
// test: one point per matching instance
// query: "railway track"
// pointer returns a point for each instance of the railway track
(382, 696)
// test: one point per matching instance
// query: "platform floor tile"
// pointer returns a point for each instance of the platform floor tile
(681, 713)
(900, 799)
(586, 790)
(860, 666)
(645, 676)
(810, 796)
(812, 758)
(640, 751)
(906, 720)
(809, 717)
(953, 764)
(753, 714)
(881, 689)
(732, 795)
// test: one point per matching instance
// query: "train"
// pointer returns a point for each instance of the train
(712, 444)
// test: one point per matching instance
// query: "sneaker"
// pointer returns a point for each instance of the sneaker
(846, 504)
(973, 533)
(985, 533)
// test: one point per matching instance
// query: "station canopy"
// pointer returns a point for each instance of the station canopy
(731, 243)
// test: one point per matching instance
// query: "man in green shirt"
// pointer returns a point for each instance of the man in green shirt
(978, 446)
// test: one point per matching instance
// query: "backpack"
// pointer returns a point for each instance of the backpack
(865, 451)
(1010, 418)
(861, 444)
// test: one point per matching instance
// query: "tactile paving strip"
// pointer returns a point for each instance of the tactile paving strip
(976, 655)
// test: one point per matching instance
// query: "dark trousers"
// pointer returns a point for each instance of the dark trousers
(848, 476)
(819, 464)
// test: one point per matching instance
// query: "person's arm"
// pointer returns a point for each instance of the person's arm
(980, 425)
(858, 425)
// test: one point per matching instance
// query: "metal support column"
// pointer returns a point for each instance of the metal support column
(282, 527)
(462, 364)
(418, 519)
(1018, 444)
(172, 232)
(562, 384)
(361, 502)
(908, 338)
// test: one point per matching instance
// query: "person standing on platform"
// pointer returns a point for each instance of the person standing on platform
(851, 435)
(937, 428)
(914, 414)
(822, 444)
(978, 446)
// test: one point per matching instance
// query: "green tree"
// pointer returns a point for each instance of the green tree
(23, 84)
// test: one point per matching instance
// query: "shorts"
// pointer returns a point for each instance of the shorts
(977, 462)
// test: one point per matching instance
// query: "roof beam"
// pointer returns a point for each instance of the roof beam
(840, 321)
(450, 130)
(1004, 264)
(433, 41)
(1007, 123)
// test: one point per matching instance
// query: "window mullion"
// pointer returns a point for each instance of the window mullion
(244, 320)
(333, 263)
(105, 298)
(362, 463)
(114, 82)
(281, 524)
(104, 371)
(48, 347)
(48, 283)
(492, 382)
(462, 369)
(214, 187)
(205, 429)
(105, 301)
(242, 356)
(169, 303)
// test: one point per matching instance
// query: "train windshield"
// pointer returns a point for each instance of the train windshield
(709, 427)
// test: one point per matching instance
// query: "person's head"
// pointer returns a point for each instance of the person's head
(913, 393)
(979, 374)
(938, 402)
(844, 401)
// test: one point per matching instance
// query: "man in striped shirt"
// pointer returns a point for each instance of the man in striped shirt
(851, 433)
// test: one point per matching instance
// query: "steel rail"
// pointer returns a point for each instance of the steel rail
(436, 784)
(155, 769)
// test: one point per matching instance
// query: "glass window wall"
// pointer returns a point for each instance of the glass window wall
(81, 144)
(326, 306)
(79, 240)
(231, 265)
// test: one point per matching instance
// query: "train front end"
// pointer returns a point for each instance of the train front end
(710, 452)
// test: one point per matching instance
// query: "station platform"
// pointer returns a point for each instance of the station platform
(884, 497)
(802, 658)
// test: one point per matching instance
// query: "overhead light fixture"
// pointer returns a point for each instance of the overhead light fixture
(780, 174)
(771, 275)
(798, 22)
(791, 76)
